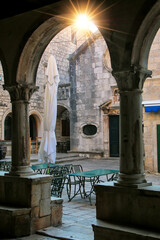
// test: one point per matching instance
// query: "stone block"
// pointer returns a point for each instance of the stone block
(35, 212)
(46, 190)
(45, 207)
(56, 211)
(14, 222)
(135, 207)
(39, 223)
(36, 195)
(15, 191)
(25, 192)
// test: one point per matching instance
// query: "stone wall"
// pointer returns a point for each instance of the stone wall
(93, 87)
(85, 84)
(151, 91)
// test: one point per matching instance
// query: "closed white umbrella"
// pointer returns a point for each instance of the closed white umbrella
(47, 150)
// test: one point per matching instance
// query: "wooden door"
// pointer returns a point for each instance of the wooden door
(114, 135)
(158, 146)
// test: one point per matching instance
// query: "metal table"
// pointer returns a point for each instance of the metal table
(92, 177)
(44, 168)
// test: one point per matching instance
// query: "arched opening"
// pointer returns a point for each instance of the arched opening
(8, 127)
(33, 127)
(78, 83)
(151, 109)
(63, 129)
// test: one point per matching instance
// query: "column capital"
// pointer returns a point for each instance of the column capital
(132, 78)
(21, 91)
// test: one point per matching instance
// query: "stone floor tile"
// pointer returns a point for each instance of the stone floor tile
(34, 237)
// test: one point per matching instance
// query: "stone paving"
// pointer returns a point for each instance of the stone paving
(79, 215)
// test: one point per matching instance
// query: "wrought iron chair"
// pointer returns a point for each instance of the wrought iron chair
(40, 168)
(5, 166)
(59, 177)
(74, 181)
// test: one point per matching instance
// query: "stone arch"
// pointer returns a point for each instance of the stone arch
(34, 48)
(65, 106)
(145, 37)
(9, 111)
(63, 128)
(4, 65)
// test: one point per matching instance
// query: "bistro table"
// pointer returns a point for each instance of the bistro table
(92, 177)
(43, 168)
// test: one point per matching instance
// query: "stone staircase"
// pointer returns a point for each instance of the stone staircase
(61, 158)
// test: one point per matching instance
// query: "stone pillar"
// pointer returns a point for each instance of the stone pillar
(130, 84)
(20, 96)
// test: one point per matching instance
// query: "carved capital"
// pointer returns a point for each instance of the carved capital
(20, 91)
(132, 78)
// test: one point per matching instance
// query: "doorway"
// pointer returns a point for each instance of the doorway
(8, 127)
(33, 127)
(158, 146)
(114, 135)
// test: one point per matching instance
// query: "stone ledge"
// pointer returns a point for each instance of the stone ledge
(32, 178)
(56, 200)
(15, 211)
(153, 190)
(89, 154)
(108, 231)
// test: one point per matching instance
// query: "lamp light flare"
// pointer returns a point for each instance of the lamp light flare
(84, 23)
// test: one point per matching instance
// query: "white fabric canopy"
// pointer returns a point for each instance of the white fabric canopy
(47, 150)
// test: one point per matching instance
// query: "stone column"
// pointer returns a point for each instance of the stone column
(20, 95)
(130, 84)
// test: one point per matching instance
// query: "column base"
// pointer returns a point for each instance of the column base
(133, 180)
(127, 206)
(25, 205)
(21, 171)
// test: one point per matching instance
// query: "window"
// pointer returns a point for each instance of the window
(89, 130)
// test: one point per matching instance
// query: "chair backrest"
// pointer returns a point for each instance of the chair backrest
(5, 166)
(77, 168)
(40, 168)
(59, 176)
(69, 167)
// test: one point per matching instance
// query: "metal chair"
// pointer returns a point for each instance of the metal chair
(5, 166)
(69, 167)
(74, 181)
(59, 177)
(77, 168)
(40, 168)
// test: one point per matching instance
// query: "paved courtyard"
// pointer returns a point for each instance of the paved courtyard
(79, 215)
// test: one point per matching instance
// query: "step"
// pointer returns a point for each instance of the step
(63, 159)
(109, 231)
(71, 159)
(14, 222)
